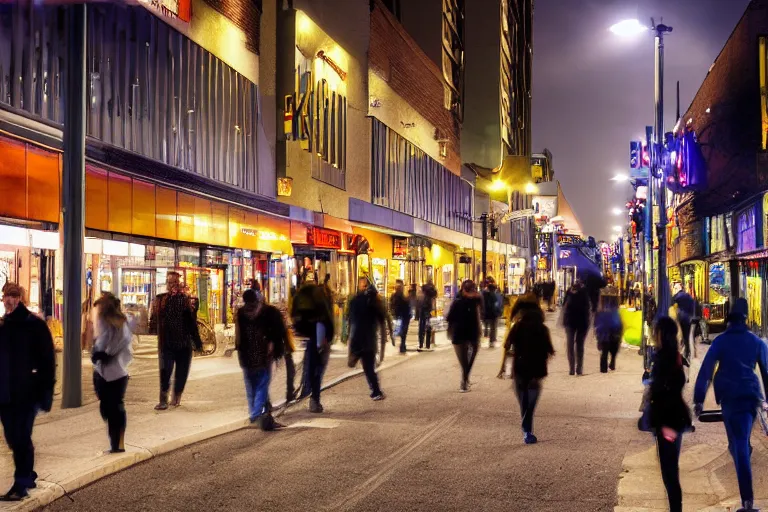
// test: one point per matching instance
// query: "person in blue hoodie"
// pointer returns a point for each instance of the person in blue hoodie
(735, 353)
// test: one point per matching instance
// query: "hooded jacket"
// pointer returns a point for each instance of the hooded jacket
(27, 360)
(256, 327)
(464, 318)
(367, 317)
(736, 352)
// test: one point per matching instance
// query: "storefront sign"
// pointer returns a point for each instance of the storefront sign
(326, 238)
(399, 248)
(173, 9)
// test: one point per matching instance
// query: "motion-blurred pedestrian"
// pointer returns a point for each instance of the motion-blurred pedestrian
(529, 345)
(608, 331)
(425, 305)
(686, 309)
(172, 319)
(576, 312)
(401, 309)
(669, 415)
(465, 329)
(111, 356)
(27, 377)
(735, 354)
(492, 309)
(367, 319)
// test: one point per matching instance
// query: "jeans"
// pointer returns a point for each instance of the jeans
(466, 353)
(424, 329)
(574, 339)
(182, 359)
(490, 326)
(738, 422)
(369, 367)
(290, 377)
(257, 390)
(669, 458)
(112, 407)
(17, 421)
(404, 321)
(314, 365)
(528, 396)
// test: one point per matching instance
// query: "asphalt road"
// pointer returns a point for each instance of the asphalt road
(426, 447)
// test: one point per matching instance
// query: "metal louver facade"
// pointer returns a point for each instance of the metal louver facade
(151, 90)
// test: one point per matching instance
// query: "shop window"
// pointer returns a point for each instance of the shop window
(747, 240)
(453, 55)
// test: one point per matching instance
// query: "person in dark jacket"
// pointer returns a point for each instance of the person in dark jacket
(594, 283)
(608, 331)
(686, 310)
(172, 319)
(426, 304)
(312, 320)
(735, 354)
(530, 347)
(492, 306)
(464, 328)
(400, 307)
(576, 312)
(27, 377)
(669, 415)
(367, 319)
(260, 339)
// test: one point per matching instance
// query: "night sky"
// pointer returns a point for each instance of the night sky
(593, 91)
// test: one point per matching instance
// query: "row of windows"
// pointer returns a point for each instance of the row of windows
(453, 55)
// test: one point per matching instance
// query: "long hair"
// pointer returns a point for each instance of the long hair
(665, 333)
(108, 307)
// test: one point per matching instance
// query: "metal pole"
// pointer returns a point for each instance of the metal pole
(73, 211)
(484, 246)
(663, 287)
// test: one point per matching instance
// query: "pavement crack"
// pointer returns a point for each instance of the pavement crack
(390, 463)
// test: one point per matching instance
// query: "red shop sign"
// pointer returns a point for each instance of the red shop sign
(326, 238)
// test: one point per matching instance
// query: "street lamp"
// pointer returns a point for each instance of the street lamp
(626, 28)
(617, 211)
(618, 229)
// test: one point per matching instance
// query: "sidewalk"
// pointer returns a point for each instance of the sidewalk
(707, 475)
(70, 443)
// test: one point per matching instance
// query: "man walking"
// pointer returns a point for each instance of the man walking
(367, 320)
(576, 312)
(492, 305)
(401, 309)
(686, 309)
(172, 319)
(425, 306)
(27, 377)
(735, 353)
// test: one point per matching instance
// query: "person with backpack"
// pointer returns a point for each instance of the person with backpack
(312, 320)
(111, 355)
(608, 331)
(492, 306)
(529, 345)
(465, 329)
(367, 319)
(260, 340)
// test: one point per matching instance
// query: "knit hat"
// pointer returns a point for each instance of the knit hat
(12, 290)
(740, 308)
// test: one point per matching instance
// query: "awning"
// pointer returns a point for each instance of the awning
(572, 257)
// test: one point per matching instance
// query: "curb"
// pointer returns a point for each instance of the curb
(48, 492)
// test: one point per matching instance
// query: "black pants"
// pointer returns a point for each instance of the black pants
(574, 339)
(369, 367)
(18, 421)
(425, 329)
(315, 367)
(466, 353)
(490, 327)
(669, 458)
(685, 328)
(112, 407)
(182, 360)
(528, 396)
(290, 377)
(404, 321)
(609, 348)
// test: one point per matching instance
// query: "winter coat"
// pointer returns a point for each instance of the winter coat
(256, 327)
(172, 319)
(686, 306)
(667, 405)
(464, 319)
(735, 353)
(367, 318)
(608, 329)
(27, 360)
(399, 305)
(576, 309)
(492, 303)
(530, 344)
(116, 343)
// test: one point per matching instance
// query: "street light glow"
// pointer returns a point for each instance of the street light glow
(617, 211)
(531, 188)
(627, 28)
(620, 177)
(618, 229)
(498, 185)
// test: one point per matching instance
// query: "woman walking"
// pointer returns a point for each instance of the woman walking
(111, 356)
(464, 329)
(530, 347)
(669, 415)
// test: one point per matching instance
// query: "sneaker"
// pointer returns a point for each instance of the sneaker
(15, 494)
(314, 406)
(529, 438)
(377, 397)
(464, 388)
